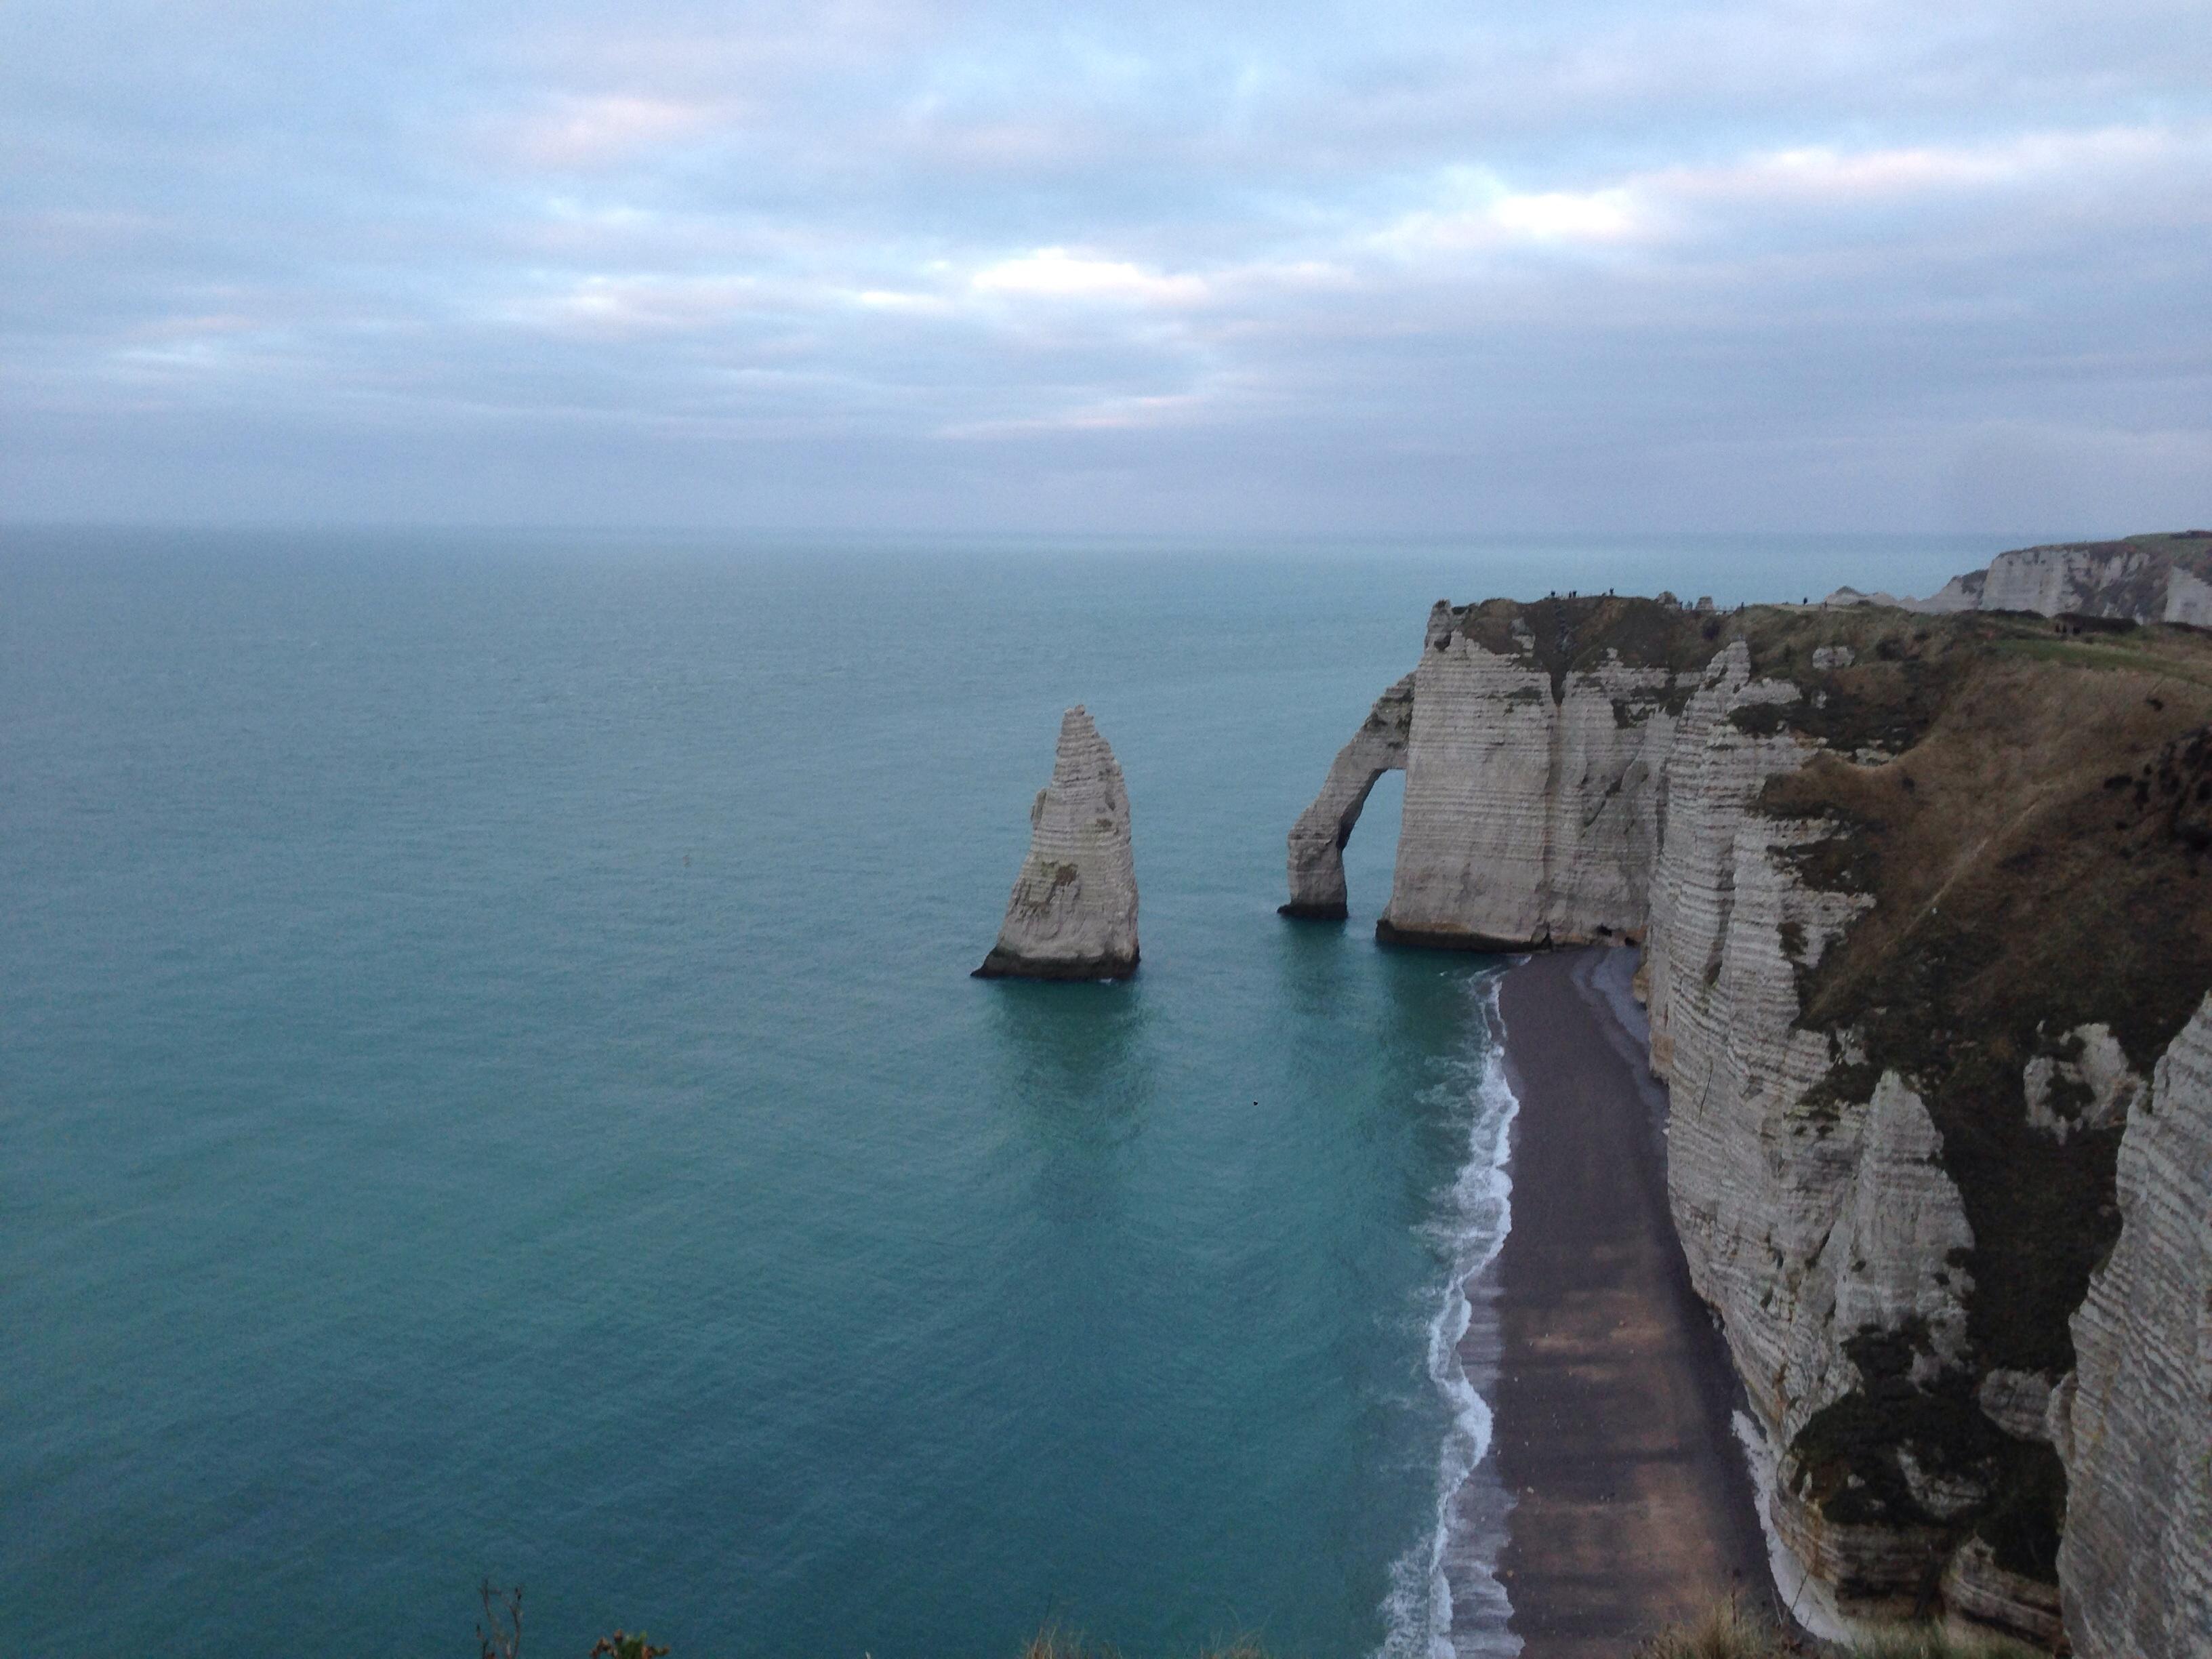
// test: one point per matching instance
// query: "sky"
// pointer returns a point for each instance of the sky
(1150, 267)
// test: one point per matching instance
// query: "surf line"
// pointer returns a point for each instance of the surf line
(1446, 1600)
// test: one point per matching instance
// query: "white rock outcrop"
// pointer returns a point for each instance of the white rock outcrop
(1072, 914)
(2143, 579)
(1619, 799)
(2188, 599)
(1905, 1232)
(2092, 1090)
(2135, 1558)
(1316, 850)
(1528, 817)
(2018, 1402)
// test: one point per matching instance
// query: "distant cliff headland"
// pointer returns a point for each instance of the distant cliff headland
(1923, 893)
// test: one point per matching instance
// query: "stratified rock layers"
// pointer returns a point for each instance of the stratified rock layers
(1072, 914)
(1316, 854)
(1891, 1192)
(1525, 818)
(2137, 1557)
(2156, 578)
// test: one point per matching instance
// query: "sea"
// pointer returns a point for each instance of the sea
(491, 1092)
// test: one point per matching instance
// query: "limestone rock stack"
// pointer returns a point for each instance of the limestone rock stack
(1073, 911)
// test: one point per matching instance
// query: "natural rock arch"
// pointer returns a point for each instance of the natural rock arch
(1318, 839)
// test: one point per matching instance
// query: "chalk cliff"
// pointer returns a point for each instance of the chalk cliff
(2166, 577)
(1072, 914)
(1925, 900)
(2136, 1557)
(1533, 749)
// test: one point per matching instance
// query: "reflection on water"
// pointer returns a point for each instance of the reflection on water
(1310, 961)
(1073, 1058)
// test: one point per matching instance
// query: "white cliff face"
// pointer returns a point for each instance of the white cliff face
(2139, 578)
(1759, 1181)
(2056, 580)
(2135, 1423)
(1528, 817)
(1316, 850)
(2188, 599)
(1810, 1193)
(1905, 1235)
(1073, 911)
(1810, 1221)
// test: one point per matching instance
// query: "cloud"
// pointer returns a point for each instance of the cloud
(574, 132)
(1055, 274)
(1498, 217)
(618, 306)
(1406, 263)
(1683, 204)
(1823, 175)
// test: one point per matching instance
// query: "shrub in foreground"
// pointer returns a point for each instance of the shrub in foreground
(1728, 1630)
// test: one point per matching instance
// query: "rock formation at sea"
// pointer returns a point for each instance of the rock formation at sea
(1926, 904)
(1073, 911)
(1318, 839)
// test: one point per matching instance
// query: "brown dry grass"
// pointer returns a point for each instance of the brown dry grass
(1729, 1630)
(1725, 1631)
(2030, 875)
(1056, 1641)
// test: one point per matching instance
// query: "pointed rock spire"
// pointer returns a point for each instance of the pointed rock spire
(1073, 911)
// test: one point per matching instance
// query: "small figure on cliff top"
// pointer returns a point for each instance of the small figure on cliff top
(1072, 914)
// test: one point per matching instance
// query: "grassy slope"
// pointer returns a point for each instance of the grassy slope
(2035, 855)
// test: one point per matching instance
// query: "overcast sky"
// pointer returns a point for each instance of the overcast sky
(1851, 264)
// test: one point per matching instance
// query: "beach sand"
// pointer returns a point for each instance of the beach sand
(1630, 1505)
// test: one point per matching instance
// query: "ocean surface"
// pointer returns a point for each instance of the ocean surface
(490, 1087)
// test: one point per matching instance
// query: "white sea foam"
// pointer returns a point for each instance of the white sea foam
(1445, 1600)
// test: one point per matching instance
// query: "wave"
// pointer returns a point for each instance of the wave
(1445, 1600)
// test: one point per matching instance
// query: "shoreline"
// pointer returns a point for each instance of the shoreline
(1631, 1503)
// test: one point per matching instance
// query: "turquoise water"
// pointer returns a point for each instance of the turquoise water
(491, 1086)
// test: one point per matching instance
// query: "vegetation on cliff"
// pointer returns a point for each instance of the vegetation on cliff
(2027, 809)
(2027, 803)
(1732, 1631)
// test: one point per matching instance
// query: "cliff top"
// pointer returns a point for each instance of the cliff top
(2028, 801)
(1580, 635)
(2175, 543)
(2024, 803)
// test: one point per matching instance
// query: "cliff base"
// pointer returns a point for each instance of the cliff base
(1003, 964)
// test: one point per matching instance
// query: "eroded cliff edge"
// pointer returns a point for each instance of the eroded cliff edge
(1925, 904)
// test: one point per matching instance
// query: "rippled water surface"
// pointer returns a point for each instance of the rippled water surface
(491, 1086)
